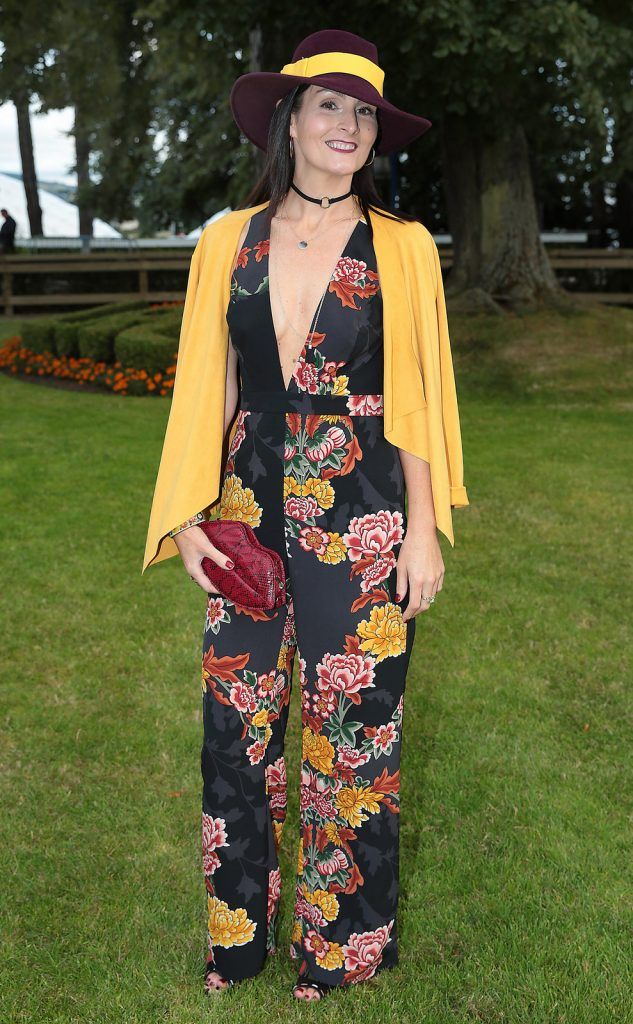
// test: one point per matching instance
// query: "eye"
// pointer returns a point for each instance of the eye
(368, 110)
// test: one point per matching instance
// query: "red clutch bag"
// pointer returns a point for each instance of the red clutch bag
(258, 580)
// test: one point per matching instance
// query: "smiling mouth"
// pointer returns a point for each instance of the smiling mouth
(340, 146)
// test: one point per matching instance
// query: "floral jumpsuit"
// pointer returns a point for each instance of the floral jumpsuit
(310, 470)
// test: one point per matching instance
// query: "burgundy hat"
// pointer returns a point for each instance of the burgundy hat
(340, 60)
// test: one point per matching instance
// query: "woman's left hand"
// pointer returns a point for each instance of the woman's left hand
(420, 566)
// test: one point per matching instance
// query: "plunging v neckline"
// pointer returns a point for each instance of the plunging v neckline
(286, 389)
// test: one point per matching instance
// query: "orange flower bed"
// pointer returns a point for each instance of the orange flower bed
(16, 358)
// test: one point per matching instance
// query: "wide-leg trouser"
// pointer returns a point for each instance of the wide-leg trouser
(353, 653)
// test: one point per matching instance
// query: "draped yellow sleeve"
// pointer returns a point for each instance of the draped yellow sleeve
(421, 414)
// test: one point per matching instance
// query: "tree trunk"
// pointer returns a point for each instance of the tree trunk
(29, 178)
(498, 258)
(255, 44)
(84, 189)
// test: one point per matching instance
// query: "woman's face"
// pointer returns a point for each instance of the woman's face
(326, 118)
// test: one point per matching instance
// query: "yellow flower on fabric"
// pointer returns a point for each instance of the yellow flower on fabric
(291, 486)
(260, 718)
(327, 902)
(335, 551)
(267, 733)
(331, 958)
(278, 827)
(351, 804)
(384, 633)
(321, 490)
(300, 857)
(318, 751)
(228, 927)
(296, 932)
(340, 386)
(371, 800)
(238, 502)
(331, 832)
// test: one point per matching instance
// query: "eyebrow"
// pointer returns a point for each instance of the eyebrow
(339, 93)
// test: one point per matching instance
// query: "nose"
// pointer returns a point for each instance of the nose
(349, 121)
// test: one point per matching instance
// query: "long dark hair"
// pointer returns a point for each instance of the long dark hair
(276, 178)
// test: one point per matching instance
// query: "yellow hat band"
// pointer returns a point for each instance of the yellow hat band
(337, 60)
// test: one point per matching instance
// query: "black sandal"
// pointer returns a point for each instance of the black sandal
(323, 990)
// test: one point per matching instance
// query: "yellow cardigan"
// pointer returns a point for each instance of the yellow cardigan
(420, 401)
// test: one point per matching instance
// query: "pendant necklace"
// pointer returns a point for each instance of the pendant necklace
(324, 203)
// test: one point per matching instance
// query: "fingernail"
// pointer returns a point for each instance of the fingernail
(398, 597)
(230, 564)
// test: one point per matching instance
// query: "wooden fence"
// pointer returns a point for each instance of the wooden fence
(100, 262)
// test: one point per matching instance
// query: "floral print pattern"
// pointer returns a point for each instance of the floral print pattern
(309, 469)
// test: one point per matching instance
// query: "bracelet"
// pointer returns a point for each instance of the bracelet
(193, 521)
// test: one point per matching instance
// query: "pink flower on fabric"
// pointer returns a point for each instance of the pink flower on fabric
(334, 438)
(213, 837)
(363, 951)
(366, 405)
(256, 751)
(289, 626)
(302, 508)
(276, 772)
(308, 911)
(349, 270)
(384, 737)
(215, 610)
(315, 794)
(242, 696)
(277, 792)
(377, 572)
(336, 861)
(349, 757)
(330, 370)
(306, 376)
(345, 673)
(323, 704)
(313, 538)
(373, 534)
(266, 683)
(240, 433)
(274, 891)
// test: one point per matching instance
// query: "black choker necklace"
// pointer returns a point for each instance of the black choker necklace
(325, 201)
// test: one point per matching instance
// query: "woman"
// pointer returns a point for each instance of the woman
(345, 403)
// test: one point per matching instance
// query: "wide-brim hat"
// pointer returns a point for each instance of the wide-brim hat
(335, 59)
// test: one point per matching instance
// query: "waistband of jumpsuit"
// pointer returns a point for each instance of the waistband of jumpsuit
(335, 405)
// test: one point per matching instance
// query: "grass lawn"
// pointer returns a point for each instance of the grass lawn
(516, 896)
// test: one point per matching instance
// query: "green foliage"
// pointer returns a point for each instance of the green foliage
(96, 341)
(39, 334)
(145, 348)
(65, 330)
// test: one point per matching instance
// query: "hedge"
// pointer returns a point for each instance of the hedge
(65, 329)
(40, 335)
(144, 348)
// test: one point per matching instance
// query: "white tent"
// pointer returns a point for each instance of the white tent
(216, 216)
(59, 218)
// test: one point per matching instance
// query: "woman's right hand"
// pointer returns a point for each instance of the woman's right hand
(193, 544)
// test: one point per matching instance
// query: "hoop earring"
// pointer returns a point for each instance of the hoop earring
(292, 149)
(372, 159)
